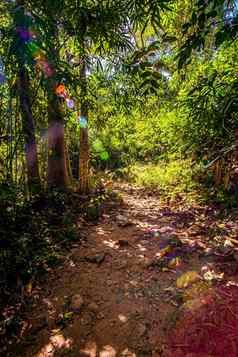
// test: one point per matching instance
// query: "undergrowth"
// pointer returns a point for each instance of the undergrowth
(181, 178)
(34, 234)
(169, 178)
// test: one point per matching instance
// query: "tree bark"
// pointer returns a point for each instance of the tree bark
(84, 144)
(57, 174)
(28, 129)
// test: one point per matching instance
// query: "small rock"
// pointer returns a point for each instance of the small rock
(127, 353)
(123, 221)
(122, 318)
(228, 244)
(108, 351)
(77, 302)
(123, 243)
(97, 258)
(90, 349)
(100, 316)
(93, 307)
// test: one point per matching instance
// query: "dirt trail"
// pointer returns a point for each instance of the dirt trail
(120, 271)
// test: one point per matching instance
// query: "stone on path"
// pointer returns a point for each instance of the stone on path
(97, 258)
(93, 307)
(123, 221)
(123, 243)
(108, 351)
(77, 302)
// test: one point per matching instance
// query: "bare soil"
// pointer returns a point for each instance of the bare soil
(125, 270)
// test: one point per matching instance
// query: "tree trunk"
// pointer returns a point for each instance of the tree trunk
(84, 144)
(57, 174)
(28, 129)
(68, 163)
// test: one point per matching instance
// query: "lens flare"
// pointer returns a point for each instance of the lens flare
(83, 122)
(70, 103)
(33, 48)
(61, 91)
(24, 34)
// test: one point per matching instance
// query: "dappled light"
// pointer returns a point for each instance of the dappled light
(122, 318)
(204, 328)
(111, 244)
(57, 342)
(108, 351)
(141, 248)
(90, 349)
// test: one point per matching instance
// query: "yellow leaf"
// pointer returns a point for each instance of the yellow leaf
(187, 279)
(29, 287)
(199, 289)
(165, 251)
(68, 315)
(174, 263)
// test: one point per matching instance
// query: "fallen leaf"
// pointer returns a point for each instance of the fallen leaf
(187, 279)
(68, 315)
(164, 251)
(175, 262)
(29, 288)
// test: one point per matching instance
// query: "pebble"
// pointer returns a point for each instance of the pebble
(77, 302)
(97, 258)
(127, 353)
(93, 307)
(123, 243)
(100, 316)
(109, 282)
(108, 351)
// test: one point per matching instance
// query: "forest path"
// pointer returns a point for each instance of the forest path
(116, 294)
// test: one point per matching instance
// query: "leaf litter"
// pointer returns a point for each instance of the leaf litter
(174, 278)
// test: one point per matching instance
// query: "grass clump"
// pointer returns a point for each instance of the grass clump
(170, 178)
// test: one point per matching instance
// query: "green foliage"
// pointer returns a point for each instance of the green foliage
(161, 80)
(169, 178)
(219, 18)
(32, 234)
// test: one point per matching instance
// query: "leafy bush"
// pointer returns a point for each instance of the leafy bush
(169, 178)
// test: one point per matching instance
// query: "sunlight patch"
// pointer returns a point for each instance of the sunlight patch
(111, 244)
(90, 349)
(122, 318)
(108, 351)
(57, 342)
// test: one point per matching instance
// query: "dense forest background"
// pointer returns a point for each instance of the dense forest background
(95, 91)
(154, 83)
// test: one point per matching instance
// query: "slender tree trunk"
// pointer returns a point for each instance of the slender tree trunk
(28, 129)
(84, 144)
(26, 115)
(68, 163)
(57, 174)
